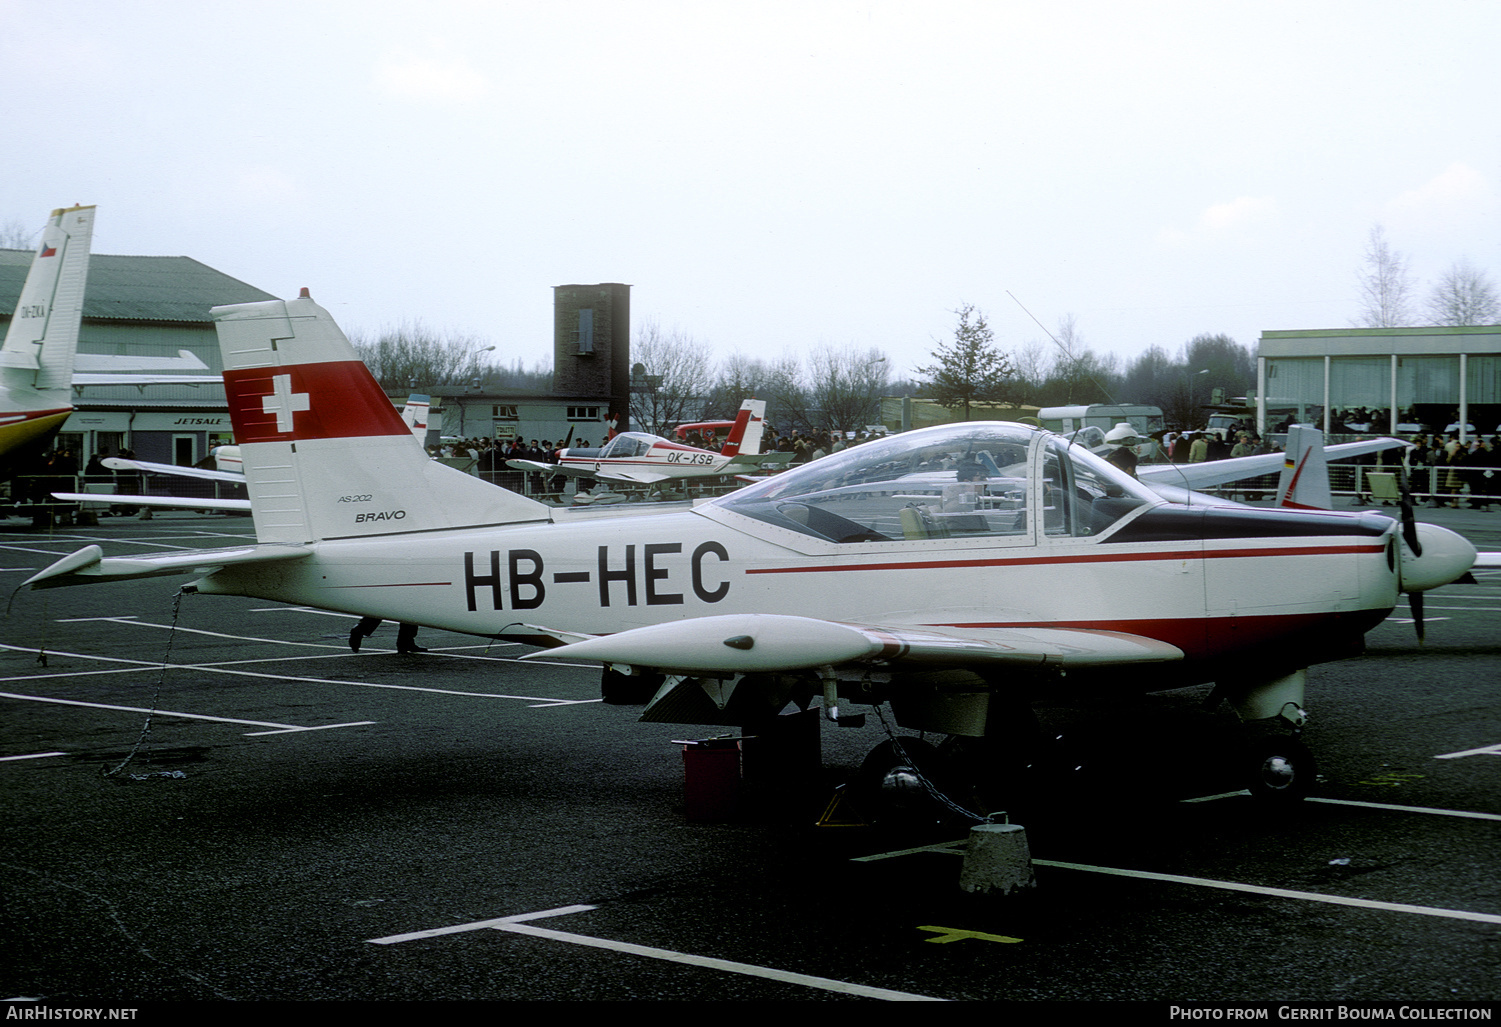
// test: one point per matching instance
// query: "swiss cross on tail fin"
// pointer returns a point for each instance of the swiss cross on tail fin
(335, 400)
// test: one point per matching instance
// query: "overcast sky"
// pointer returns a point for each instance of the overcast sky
(773, 176)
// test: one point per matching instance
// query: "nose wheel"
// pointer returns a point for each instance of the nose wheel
(1280, 770)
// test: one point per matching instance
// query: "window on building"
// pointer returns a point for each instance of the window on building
(586, 331)
(505, 412)
(583, 413)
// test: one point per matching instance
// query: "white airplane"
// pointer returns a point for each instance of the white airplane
(642, 459)
(952, 572)
(36, 361)
(40, 365)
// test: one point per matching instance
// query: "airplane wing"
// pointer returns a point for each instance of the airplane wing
(89, 564)
(537, 465)
(607, 474)
(761, 460)
(748, 643)
(1221, 472)
(635, 477)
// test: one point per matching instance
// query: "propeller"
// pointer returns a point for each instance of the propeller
(1410, 536)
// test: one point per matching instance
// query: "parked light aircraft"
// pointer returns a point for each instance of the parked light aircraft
(40, 365)
(952, 572)
(643, 459)
(36, 362)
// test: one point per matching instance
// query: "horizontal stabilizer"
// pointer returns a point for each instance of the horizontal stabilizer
(117, 463)
(89, 564)
(160, 502)
(1222, 472)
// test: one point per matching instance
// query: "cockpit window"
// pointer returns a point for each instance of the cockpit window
(974, 479)
(627, 444)
(1083, 494)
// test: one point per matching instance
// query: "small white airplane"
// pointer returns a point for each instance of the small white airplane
(40, 366)
(36, 361)
(953, 572)
(642, 459)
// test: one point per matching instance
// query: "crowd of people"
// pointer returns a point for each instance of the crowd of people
(1458, 473)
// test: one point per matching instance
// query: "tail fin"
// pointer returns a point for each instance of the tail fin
(745, 437)
(43, 335)
(1304, 483)
(415, 415)
(326, 454)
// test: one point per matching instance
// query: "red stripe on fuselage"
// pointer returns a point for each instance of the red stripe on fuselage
(334, 400)
(1023, 561)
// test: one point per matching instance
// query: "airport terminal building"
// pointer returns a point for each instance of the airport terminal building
(1381, 380)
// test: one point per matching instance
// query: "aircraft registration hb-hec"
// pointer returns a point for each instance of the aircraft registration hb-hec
(952, 572)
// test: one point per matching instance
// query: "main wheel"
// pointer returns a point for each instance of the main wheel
(892, 786)
(1281, 770)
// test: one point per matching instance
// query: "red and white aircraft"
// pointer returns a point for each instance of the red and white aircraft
(642, 459)
(952, 572)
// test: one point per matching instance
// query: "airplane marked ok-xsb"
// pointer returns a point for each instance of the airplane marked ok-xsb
(952, 572)
(643, 459)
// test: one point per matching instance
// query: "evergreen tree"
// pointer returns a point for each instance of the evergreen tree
(969, 369)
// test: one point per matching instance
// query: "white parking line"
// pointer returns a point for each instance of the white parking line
(1285, 893)
(1430, 810)
(1408, 809)
(211, 668)
(279, 728)
(1489, 750)
(519, 925)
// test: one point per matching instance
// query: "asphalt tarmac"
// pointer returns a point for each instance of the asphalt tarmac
(217, 800)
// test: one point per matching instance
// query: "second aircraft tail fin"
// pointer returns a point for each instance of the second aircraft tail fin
(1304, 483)
(42, 340)
(745, 437)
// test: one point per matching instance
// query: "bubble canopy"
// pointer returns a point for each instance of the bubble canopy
(994, 479)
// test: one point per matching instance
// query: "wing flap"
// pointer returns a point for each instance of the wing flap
(89, 564)
(747, 643)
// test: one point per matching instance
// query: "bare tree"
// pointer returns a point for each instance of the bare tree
(739, 378)
(1385, 285)
(1464, 296)
(413, 356)
(789, 404)
(676, 374)
(1032, 363)
(16, 236)
(846, 384)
